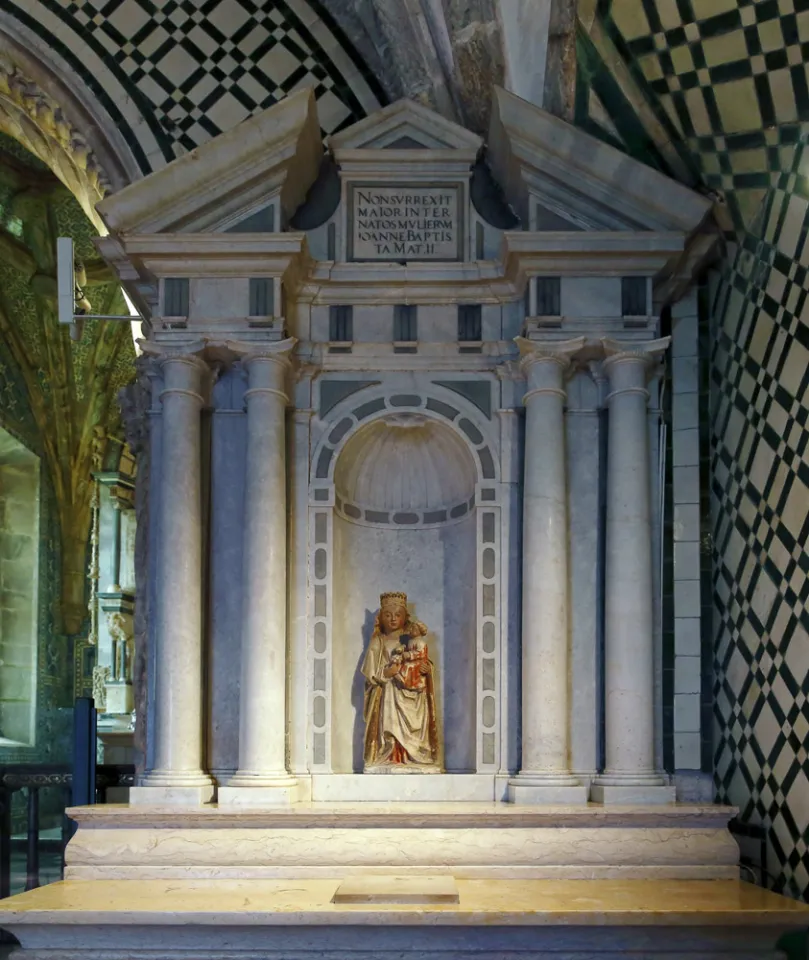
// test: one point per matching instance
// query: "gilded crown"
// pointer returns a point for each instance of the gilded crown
(394, 599)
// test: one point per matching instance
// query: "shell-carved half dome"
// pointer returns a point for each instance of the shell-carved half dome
(405, 470)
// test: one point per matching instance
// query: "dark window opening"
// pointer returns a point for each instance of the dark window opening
(634, 301)
(405, 322)
(341, 324)
(549, 296)
(175, 297)
(261, 297)
(470, 322)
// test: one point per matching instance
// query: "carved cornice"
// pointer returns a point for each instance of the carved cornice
(275, 153)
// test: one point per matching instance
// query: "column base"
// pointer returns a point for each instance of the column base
(170, 796)
(537, 790)
(246, 791)
(629, 794)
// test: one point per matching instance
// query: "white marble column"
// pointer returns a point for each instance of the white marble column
(630, 775)
(544, 775)
(262, 777)
(177, 776)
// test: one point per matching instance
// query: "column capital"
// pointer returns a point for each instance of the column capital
(545, 365)
(166, 352)
(646, 351)
(266, 365)
(182, 368)
(556, 351)
(277, 351)
(629, 365)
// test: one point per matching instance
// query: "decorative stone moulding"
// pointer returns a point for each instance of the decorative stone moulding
(429, 407)
(33, 118)
(412, 519)
(273, 156)
(465, 840)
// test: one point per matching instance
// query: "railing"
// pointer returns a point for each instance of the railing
(80, 783)
(34, 778)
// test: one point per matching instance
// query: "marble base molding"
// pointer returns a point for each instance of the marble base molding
(624, 795)
(523, 790)
(472, 840)
(284, 791)
(171, 796)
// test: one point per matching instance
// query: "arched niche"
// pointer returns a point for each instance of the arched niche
(404, 495)
(404, 520)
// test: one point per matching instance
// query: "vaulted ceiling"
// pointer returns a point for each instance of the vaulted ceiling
(713, 91)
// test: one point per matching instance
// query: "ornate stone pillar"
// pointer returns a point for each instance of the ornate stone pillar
(177, 775)
(262, 776)
(545, 775)
(630, 775)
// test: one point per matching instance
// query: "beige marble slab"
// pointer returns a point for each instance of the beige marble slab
(481, 902)
(397, 890)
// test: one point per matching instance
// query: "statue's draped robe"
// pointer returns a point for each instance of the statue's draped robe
(395, 715)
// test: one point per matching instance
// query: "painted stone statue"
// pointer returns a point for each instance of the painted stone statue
(401, 733)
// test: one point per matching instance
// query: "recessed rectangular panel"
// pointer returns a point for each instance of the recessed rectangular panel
(397, 890)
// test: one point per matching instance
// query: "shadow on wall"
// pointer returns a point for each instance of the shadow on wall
(358, 695)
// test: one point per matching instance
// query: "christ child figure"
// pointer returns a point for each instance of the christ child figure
(413, 660)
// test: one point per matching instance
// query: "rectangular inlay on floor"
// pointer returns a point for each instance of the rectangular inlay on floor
(397, 890)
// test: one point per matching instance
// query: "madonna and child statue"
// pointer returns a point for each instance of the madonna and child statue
(401, 732)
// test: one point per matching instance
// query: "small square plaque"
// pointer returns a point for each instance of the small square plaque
(397, 890)
(405, 222)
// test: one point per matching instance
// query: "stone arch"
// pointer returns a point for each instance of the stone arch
(60, 123)
(358, 411)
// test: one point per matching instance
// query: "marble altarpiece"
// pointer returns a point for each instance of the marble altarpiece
(387, 368)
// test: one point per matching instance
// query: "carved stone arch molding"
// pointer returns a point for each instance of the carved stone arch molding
(62, 124)
(478, 443)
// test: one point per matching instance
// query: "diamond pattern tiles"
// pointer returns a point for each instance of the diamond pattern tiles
(760, 506)
(729, 79)
(175, 73)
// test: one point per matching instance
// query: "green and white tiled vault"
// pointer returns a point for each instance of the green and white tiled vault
(716, 92)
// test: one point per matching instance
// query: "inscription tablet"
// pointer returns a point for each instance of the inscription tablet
(405, 222)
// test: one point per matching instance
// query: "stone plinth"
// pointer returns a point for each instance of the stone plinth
(465, 840)
(566, 919)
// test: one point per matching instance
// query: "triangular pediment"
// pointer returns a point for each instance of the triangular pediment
(258, 172)
(547, 165)
(405, 125)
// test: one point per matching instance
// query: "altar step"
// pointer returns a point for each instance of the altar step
(275, 919)
(468, 841)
